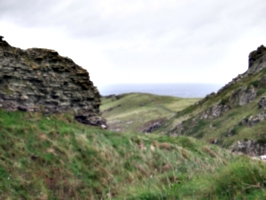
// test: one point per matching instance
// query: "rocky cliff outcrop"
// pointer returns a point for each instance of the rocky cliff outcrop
(239, 97)
(256, 62)
(242, 90)
(244, 94)
(257, 59)
(250, 147)
(214, 111)
(40, 80)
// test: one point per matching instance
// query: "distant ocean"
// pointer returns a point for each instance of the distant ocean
(186, 90)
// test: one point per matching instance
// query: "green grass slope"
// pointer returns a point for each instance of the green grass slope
(54, 157)
(227, 128)
(135, 112)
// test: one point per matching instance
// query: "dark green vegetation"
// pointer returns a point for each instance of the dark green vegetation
(135, 112)
(54, 157)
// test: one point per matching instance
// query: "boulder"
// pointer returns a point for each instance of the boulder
(262, 103)
(152, 128)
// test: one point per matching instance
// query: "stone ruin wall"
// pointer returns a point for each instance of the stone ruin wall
(40, 80)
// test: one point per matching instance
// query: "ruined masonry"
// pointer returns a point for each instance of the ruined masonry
(40, 80)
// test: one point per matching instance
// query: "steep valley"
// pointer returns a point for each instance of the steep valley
(233, 118)
(155, 148)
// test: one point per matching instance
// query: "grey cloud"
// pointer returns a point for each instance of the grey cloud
(84, 18)
(165, 37)
(26, 13)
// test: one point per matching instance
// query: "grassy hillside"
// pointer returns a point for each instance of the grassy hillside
(135, 112)
(54, 157)
(228, 127)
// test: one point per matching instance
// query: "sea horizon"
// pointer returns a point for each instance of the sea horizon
(183, 90)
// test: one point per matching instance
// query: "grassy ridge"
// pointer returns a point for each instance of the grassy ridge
(53, 157)
(241, 180)
(135, 112)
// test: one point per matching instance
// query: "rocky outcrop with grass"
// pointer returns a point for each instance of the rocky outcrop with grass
(250, 147)
(40, 80)
(247, 92)
(234, 114)
(257, 59)
(239, 97)
(230, 95)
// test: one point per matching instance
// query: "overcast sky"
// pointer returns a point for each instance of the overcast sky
(142, 41)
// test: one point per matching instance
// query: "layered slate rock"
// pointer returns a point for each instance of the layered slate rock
(40, 80)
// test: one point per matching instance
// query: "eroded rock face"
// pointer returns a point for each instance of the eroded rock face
(262, 103)
(240, 97)
(260, 117)
(215, 111)
(257, 59)
(250, 147)
(253, 120)
(243, 96)
(41, 80)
